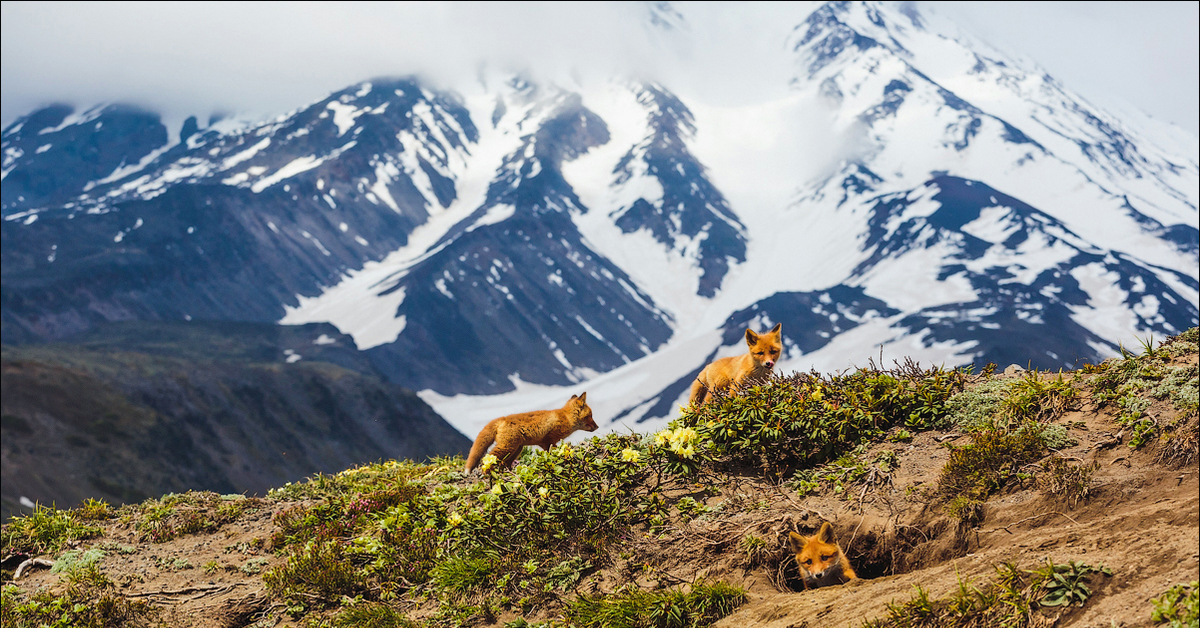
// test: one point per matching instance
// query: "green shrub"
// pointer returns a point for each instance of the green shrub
(978, 407)
(789, 422)
(319, 571)
(45, 530)
(88, 601)
(1133, 382)
(75, 560)
(633, 608)
(1178, 606)
(986, 465)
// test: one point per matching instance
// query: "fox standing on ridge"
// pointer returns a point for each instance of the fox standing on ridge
(543, 427)
(726, 372)
(820, 558)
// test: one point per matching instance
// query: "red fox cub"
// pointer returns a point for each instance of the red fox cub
(820, 558)
(726, 372)
(543, 427)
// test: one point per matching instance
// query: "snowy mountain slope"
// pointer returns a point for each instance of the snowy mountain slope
(514, 289)
(915, 193)
(930, 214)
(54, 153)
(235, 220)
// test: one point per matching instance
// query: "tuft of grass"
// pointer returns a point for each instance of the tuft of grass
(367, 615)
(1061, 478)
(1036, 397)
(1181, 442)
(46, 530)
(319, 571)
(632, 608)
(1178, 606)
(1133, 382)
(193, 512)
(459, 575)
(852, 469)
(977, 470)
(94, 510)
(755, 550)
(1013, 599)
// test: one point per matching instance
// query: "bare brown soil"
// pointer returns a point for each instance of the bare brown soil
(1141, 519)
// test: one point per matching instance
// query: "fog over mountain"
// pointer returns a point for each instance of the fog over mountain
(262, 59)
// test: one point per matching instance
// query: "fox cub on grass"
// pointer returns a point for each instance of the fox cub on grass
(820, 558)
(543, 427)
(726, 372)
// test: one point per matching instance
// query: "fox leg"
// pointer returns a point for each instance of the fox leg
(506, 454)
(699, 392)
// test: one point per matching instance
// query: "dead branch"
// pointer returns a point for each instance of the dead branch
(30, 564)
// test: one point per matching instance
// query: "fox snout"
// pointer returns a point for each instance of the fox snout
(770, 364)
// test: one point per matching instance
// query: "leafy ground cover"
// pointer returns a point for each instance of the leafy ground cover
(922, 470)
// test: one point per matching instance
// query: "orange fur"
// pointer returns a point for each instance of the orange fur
(765, 350)
(543, 428)
(820, 558)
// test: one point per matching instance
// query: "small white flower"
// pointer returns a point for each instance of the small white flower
(543, 491)
(630, 455)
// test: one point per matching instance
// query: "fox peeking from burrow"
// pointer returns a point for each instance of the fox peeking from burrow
(542, 427)
(758, 362)
(821, 560)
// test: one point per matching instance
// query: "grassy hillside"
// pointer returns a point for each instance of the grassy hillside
(961, 498)
(138, 409)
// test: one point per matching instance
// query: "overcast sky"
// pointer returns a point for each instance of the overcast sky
(265, 59)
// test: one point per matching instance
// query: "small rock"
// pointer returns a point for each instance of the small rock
(1013, 369)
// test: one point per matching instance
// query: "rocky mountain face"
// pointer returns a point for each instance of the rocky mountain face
(517, 242)
(132, 410)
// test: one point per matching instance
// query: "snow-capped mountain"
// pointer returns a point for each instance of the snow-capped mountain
(505, 246)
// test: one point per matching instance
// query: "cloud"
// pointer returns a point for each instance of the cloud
(1145, 54)
(266, 59)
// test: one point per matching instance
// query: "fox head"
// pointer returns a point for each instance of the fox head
(765, 348)
(578, 409)
(819, 558)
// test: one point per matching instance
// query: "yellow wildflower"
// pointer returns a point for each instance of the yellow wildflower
(488, 461)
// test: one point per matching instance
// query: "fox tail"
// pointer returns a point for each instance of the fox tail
(485, 439)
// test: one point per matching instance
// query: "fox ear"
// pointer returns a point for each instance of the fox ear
(778, 326)
(582, 398)
(751, 337)
(797, 541)
(825, 534)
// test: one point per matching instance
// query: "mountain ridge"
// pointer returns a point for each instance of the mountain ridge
(366, 207)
